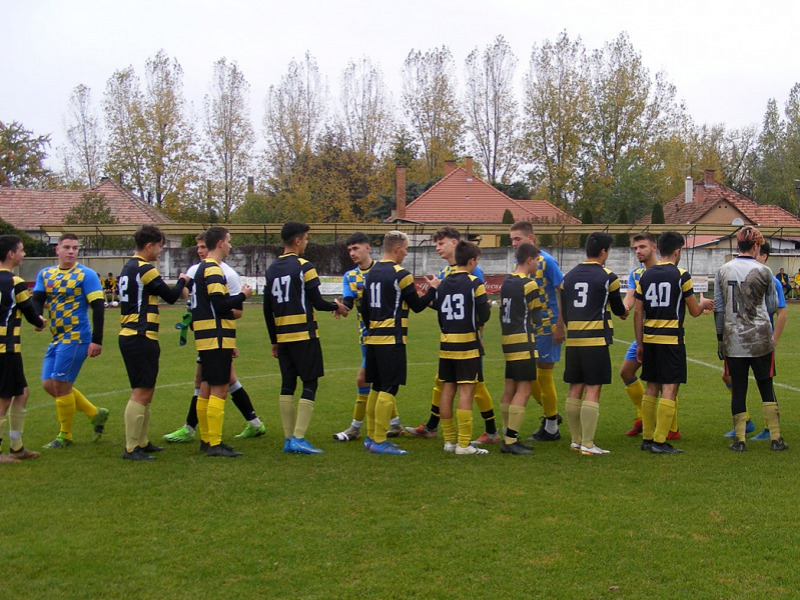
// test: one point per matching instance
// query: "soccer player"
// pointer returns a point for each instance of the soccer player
(352, 288)
(389, 292)
(549, 335)
(744, 297)
(446, 239)
(783, 279)
(67, 290)
(587, 293)
(140, 286)
(291, 294)
(253, 427)
(663, 294)
(463, 309)
(110, 288)
(215, 339)
(15, 301)
(796, 284)
(520, 312)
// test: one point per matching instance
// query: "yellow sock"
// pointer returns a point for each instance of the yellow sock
(286, 408)
(360, 409)
(215, 416)
(202, 418)
(664, 415)
(134, 418)
(649, 416)
(590, 414)
(483, 399)
(635, 391)
(372, 402)
(536, 390)
(83, 405)
(464, 418)
(305, 408)
(16, 423)
(549, 396)
(573, 410)
(143, 441)
(448, 430)
(673, 427)
(383, 414)
(65, 408)
(504, 415)
(773, 419)
(516, 416)
(740, 426)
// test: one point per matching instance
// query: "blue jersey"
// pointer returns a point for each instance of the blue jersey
(450, 269)
(548, 277)
(634, 277)
(353, 287)
(69, 293)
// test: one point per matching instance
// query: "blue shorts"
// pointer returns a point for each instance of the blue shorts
(363, 356)
(548, 351)
(631, 353)
(64, 361)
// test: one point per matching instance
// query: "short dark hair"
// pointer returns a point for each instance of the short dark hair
(147, 234)
(214, 235)
(356, 238)
(446, 232)
(596, 243)
(200, 237)
(67, 236)
(526, 251)
(669, 242)
(8, 243)
(766, 249)
(291, 229)
(525, 227)
(645, 235)
(465, 251)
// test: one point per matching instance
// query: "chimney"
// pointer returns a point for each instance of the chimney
(251, 184)
(689, 191)
(449, 167)
(708, 178)
(468, 160)
(400, 192)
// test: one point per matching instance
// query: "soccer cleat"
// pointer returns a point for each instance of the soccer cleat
(750, 427)
(461, 450)
(137, 454)
(674, 435)
(395, 431)
(778, 445)
(303, 446)
(287, 445)
(761, 436)
(368, 441)
(252, 432)
(348, 435)
(60, 442)
(515, 448)
(386, 447)
(182, 434)
(6, 459)
(737, 446)
(636, 429)
(449, 446)
(646, 445)
(487, 438)
(664, 448)
(99, 422)
(150, 448)
(574, 447)
(593, 450)
(23, 453)
(223, 451)
(204, 446)
(421, 431)
(542, 435)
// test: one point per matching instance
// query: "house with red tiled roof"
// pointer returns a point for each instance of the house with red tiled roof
(462, 197)
(32, 211)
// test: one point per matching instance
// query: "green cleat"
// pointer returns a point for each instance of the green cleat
(252, 432)
(182, 434)
(60, 442)
(99, 422)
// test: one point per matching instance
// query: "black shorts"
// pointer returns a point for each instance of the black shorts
(140, 356)
(12, 375)
(215, 365)
(664, 363)
(463, 370)
(521, 370)
(386, 365)
(590, 365)
(301, 359)
(763, 366)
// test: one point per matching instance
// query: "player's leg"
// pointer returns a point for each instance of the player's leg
(13, 405)
(241, 400)
(353, 432)
(391, 365)
(484, 402)
(429, 429)
(633, 387)
(764, 371)
(466, 394)
(590, 413)
(286, 397)
(665, 412)
(135, 417)
(16, 426)
(217, 372)
(516, 393)
(140, 356)
(307, 359)
(5, 403)
(738, 369)
(549, 354)
(449, 432)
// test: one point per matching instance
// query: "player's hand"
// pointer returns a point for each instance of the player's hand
(185, 277)
(707, 304)
(559, 333)
(275, 350)
(720, 350)
(341, 309)
(235, 353)
(94, 350)
(40, 327)
(627, 312)
(247, 290)
(639, 353)
(432, 281)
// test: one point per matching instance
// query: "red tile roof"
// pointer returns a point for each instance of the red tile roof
(458, 198)
(28, 209)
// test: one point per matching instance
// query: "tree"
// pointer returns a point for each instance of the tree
(22, 156)
(366, 111)
(229, 136)
(508, 219)
(773, 179)
(125, 122)
(93, 208)
(587, 218)
(622, 240)
(84, 136)
(657, 215)
(491, 109)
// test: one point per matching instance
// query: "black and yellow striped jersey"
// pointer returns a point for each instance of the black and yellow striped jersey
(520, 314)
(389, 292)
(139, 286)
(463, 308)
(212, 317)
(589, 290)
(15, 300)
(663, 289)
(291, 293)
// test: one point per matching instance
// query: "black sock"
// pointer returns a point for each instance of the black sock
(242, 402)
(191, 416)
(490, 423)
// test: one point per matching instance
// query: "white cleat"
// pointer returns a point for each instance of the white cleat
(592, 450)
(450, 447)
(470, 450)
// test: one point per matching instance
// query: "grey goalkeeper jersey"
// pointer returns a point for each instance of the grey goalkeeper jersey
(744, 297)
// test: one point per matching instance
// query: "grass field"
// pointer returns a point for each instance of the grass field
(82, 523)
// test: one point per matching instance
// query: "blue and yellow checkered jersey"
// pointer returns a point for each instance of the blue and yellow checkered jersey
(634, 277)
(69, 293)
(353, 287)
(589, 289)
(140, 285)
(388, 288)
(14, 298)
(548, 277)
(463, 308)
(288, 282)
(663, 289)
(212, 331)
(520, 301)
(450, 269)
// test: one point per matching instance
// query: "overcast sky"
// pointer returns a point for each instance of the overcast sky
(726, 58)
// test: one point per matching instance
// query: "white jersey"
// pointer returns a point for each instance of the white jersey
(231, 276)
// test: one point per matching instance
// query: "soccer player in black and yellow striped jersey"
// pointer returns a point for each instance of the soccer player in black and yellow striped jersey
(663, 293)
(140, 286)
(15, 301)
(588, 291)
